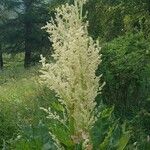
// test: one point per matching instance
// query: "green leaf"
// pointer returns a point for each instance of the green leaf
(104, 145)
(62, 134)
(57, 106)
(123, 141)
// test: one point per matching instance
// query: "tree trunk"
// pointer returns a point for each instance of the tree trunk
(148, 1)
(27, 60)
(28, 32)
(149, 6)
(1, 58)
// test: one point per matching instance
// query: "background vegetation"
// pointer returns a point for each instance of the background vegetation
(122, 27)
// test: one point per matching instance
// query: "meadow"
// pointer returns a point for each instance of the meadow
(20, 98)
(24, 126)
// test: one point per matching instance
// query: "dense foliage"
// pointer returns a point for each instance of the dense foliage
(122, 30)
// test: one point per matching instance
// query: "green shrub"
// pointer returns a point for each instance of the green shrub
(33, 137)
(126, 70)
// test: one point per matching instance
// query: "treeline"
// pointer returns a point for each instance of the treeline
(122, 27)
(21, 22)
(20, 28)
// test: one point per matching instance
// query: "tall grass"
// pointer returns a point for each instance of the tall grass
(20, 98)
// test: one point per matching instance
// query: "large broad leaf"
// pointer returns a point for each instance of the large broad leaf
(62, 134)
(105, 144)
(123, 141)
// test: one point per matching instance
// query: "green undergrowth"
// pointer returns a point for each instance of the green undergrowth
(24, 126)
(21, 96)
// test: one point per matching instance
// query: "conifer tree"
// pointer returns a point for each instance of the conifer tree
(21, 22)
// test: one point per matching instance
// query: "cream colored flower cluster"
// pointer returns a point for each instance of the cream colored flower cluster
(72, 74)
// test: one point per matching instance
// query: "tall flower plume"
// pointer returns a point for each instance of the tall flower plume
(72, 73)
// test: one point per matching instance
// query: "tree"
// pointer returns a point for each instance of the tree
(1, 22)
(34, 17)
(1, 58)
(22, 30)
(5, 15)
(105, 19)
(28, 25)
(111, 19)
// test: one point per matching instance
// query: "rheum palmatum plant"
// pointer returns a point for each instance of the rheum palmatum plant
(72, 73)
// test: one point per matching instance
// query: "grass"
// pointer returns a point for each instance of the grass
(20, 98)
